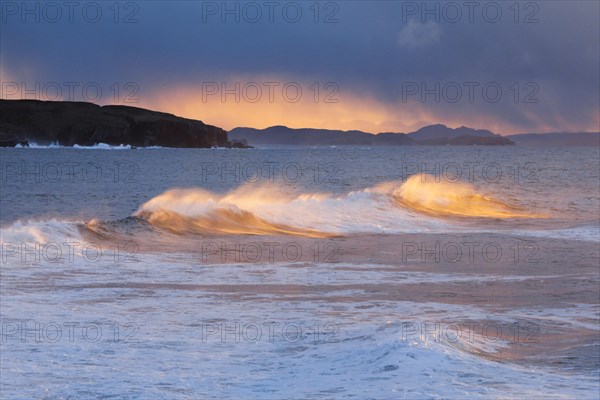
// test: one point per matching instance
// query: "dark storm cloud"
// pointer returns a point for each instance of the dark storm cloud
(375, 48)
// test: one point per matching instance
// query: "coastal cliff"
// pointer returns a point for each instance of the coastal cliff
(87, 124)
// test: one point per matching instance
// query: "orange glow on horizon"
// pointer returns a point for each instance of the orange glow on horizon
(353, 111)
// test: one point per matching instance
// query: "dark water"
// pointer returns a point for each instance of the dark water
(113, 184)
(349, 272)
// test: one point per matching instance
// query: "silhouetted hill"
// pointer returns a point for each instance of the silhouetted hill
(467, 140)
(71, 123)
(430, 135)
(282, 135)
(437, 132)
(393, 139)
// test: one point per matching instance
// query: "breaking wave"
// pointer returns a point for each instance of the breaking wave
(262, 210)
(414, 206)
(422, 194)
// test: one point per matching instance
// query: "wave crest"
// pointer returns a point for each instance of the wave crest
(199, 211)
(457, 199)
(269, 210)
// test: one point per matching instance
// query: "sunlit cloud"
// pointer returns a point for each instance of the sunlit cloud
(417, 34)
(350, 111)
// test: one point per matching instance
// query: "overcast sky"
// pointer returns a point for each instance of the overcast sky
(375, 66)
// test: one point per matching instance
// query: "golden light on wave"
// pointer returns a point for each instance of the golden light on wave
(198, 211)
(422, 193)
(273, 210)
(225, 222)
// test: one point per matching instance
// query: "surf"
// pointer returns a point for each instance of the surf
(415, 206)
(273, 210)
(422, 193)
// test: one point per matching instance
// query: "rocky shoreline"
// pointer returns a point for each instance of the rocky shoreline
(86, 124)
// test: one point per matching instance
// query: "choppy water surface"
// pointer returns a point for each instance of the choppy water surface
(300, 273)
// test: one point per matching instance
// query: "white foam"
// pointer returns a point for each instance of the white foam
(586, 233)
(42, 232)
(55, 145)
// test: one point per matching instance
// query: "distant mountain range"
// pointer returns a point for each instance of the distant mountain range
(432, 135)
(429, 135)
(288, 136)
(78, 123)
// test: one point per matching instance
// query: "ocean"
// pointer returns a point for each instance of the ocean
(297, 272)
